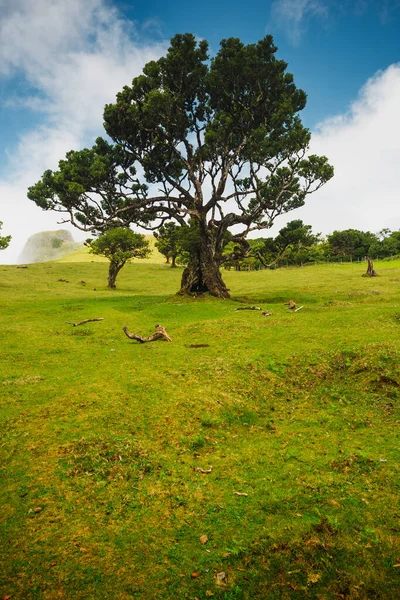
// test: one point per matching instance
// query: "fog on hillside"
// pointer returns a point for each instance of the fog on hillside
(48, 245)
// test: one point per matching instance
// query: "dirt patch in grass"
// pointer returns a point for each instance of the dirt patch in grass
(104, 459)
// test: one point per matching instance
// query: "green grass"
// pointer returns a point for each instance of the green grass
(101, 436)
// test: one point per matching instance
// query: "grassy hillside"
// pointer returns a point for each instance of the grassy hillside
(296, 415)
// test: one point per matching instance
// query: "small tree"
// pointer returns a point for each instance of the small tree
(5, 240)
(119, 245)
(167, 242)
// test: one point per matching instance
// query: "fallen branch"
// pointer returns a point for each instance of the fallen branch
(199, 346)
(300, 307)
(265, 313)
(248, 308)
(159, 334)
(200, 470)
(83, 322)
(239, 494)
(291, 304)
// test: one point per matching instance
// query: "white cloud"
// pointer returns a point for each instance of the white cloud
(364, 147)
(292, 15)
(76, 56)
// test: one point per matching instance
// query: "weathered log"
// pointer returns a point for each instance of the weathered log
(370, 270)
(84, 321)
(248, 308)
(159, 334)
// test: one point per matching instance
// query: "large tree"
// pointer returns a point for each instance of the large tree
(216, 141)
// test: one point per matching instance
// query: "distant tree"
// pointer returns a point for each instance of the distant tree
(351, 243)
(383, 233)
(4, 240)
(219, 141)
(293, 243)
(294, 237)
(388, 244)
(167, 241)
(119, 245)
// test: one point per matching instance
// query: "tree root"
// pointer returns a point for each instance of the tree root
(159, 334)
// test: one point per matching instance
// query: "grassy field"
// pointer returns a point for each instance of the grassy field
(296, 415)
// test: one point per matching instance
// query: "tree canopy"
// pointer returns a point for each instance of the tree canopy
(216, 141)
(119, 245)
(351, 243)
(167, 241)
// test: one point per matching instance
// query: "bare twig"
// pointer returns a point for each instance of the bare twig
(239, 494)
(83, 322)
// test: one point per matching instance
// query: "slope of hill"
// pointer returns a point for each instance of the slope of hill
(48, 245)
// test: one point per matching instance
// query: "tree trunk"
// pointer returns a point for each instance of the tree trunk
(202, 273)
(113, 271)
(370, 270)
(173, 261)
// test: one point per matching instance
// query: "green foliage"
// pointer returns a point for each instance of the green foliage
(119, 245)
(386, 245)
(195, 126)
(4, 240)
(167, 241)
(351, 243)
(295, 243)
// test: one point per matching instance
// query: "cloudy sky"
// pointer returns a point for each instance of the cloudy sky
(60, 62)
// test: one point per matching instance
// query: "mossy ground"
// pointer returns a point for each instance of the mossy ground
(101, 436)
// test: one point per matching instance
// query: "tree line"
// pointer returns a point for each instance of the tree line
(295, 244)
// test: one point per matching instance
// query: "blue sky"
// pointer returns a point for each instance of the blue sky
(60, 62)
